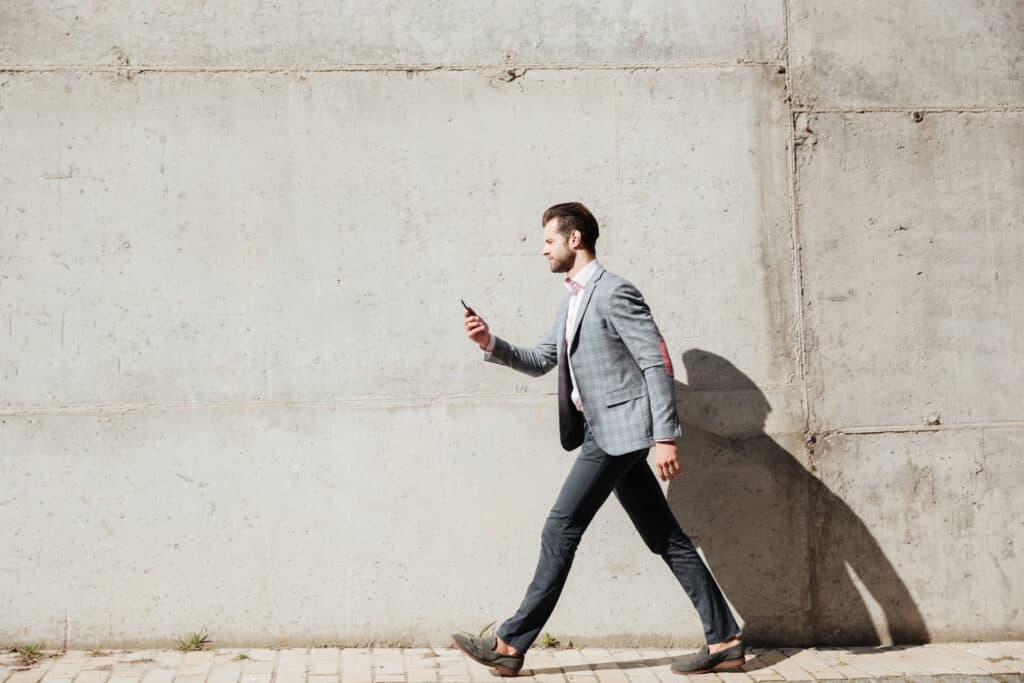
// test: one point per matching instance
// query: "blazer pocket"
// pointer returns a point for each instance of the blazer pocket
(622, 395)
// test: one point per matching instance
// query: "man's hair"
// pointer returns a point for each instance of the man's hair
(574, 216)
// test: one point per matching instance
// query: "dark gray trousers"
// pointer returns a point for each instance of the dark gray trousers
(593, 476)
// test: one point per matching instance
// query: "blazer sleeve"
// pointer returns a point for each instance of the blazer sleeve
(631, 318)
(533, 361)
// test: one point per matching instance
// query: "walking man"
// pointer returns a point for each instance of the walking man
(615, 399)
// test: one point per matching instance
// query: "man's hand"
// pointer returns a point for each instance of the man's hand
(476, 329)
(666, 460)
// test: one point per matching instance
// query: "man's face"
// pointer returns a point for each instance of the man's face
(558, 248)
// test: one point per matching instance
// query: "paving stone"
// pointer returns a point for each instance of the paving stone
(663, 668)
(629, 662)
(911, 663)
(788, 668)
(656, 667)
(321, 678)
(31, 675)
(324, 661)
(197, 658)
(992, 658)
(452, 665)
(97, 661)
(644, 665)
(195, 666)
(604, 665)
(64, 667)
(387, 662)
(957, 660)
(759, 666)
(162, 675)
(695, 678)
(301, 653)
(932, 663)
(420, 665)
(130, 668)
(168, 659)
(733, 677)
(255, 678)
(817, 666)
(195, 663)
(189, 678)
(321, 667)
(874, 665)
(544, 666)
(839, 661)
(575, 667)
(87, 676)
(356, 666)
(224, 672)
(114, 678)
(257, 666)
(1012, 648)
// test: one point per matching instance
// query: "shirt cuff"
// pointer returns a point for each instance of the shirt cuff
(490, 344)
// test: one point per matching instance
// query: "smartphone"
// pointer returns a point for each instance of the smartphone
(471, 311)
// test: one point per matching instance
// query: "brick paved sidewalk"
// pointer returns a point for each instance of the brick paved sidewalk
(1001, 662)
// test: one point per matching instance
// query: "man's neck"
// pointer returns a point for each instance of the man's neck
(582, 259)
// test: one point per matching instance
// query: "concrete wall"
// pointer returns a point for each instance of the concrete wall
(235, 388)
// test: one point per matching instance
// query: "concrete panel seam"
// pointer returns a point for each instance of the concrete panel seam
(383, 402)
(962, 426)
(912, 109)
(813, 437)
(539, 397)
(798, 288)
(298, 68)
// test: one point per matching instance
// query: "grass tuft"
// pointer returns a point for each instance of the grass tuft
(549, 640)
(30, 653)
(194, 641)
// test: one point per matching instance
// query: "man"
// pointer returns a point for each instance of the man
(615, 399)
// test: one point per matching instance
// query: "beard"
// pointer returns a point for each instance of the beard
(563, 265)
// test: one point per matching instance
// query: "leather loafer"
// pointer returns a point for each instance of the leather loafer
(702, 661)
(481, 650)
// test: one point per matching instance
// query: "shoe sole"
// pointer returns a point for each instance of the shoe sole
(731, 664)
(503, 670)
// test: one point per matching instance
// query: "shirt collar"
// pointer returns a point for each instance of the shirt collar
(579, 283)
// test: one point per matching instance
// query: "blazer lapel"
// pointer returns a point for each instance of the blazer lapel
(587, 294)
(563, 314)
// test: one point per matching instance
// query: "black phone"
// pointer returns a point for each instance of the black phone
(471, 311)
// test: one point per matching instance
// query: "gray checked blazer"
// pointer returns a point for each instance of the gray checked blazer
(620, 363)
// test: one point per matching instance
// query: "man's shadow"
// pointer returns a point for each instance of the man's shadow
(778, 541)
